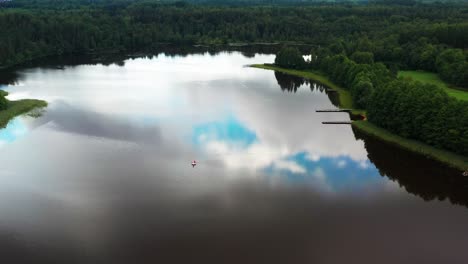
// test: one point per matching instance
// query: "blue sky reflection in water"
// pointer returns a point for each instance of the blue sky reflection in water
(14, 130)
(104, 175)
(230, 138)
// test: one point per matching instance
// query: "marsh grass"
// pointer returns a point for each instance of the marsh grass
(16, 108)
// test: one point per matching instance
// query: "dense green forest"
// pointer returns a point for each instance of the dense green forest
(411, 109)
(360, 45)
(423, 36)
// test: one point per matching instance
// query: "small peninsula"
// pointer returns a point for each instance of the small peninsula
(11, 109)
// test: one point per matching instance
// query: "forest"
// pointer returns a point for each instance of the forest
(401, 36)
(410, 109)
(359, 45)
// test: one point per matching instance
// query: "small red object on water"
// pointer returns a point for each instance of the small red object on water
(194, 163)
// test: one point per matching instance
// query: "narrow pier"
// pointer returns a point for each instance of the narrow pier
(337, 123)
(333, 110)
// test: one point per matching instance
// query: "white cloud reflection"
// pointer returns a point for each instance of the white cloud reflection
(237, 117)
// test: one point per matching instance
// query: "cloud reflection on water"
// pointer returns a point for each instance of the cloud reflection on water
(237, 118)
(104, 175)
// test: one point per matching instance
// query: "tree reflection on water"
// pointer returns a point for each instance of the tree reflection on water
(417, 174)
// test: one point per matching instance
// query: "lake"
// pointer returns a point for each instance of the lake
(104, 175)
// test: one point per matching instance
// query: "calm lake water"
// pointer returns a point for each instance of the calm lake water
(104, 175)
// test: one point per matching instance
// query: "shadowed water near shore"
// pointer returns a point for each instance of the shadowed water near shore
(247, 224)
(417, 174)
(104, 175)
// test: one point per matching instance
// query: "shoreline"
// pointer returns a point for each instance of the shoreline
(346, 100)
(100, 52)
(446, 157)
(17, 108)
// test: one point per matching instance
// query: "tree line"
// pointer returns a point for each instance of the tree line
(3, 100)
(430, 37)
(411, 109)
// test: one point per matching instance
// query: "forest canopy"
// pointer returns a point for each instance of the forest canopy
(401, 36)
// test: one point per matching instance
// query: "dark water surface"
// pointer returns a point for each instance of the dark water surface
(104, 175)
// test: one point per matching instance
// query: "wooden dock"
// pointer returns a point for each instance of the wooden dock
(333, 110)
(337, 122)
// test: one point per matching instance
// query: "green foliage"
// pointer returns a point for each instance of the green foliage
(290, 57)
(423, 112)
(3, 103)
(360, 78)
(361, 92)
(363, 57)
(16, 108)
(432, 78)
(398, 35)
(453, 67)
(410, 109)
(3, 100)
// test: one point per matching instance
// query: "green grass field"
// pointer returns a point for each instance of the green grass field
(16, 108)
(432, 78)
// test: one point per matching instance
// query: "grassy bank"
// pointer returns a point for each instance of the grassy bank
(345, 97)
(453, 160)
(432, 78)
(16, 108)
(449, 158)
